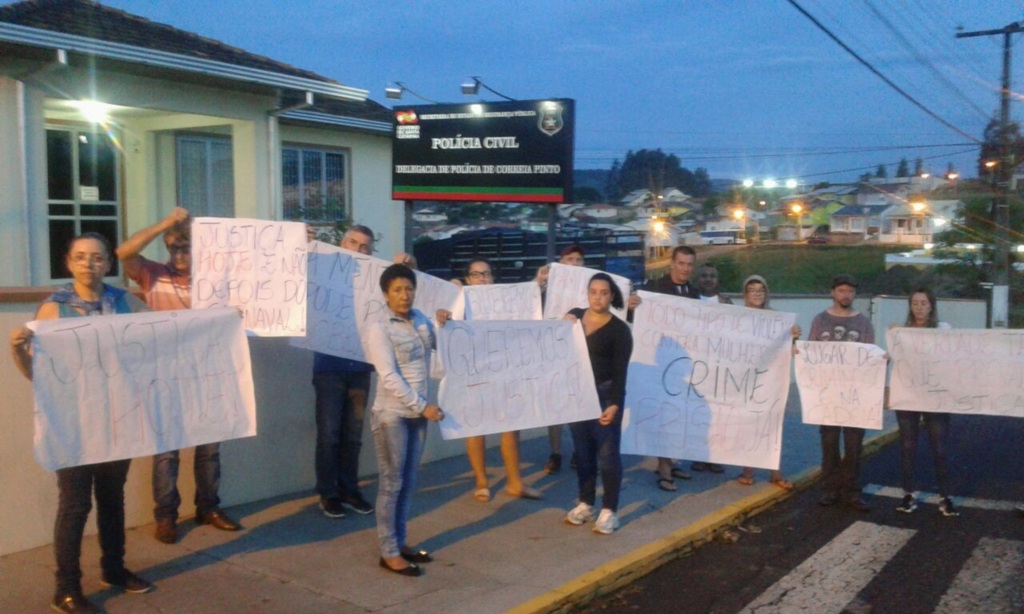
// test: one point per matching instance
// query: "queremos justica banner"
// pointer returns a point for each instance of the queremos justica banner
(519, 151)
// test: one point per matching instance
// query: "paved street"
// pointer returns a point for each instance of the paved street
(812, 559)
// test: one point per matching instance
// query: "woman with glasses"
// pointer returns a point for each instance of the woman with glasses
(479, 273)
(755, 296)
(88, 259)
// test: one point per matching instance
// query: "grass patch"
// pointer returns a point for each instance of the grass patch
(803, 269)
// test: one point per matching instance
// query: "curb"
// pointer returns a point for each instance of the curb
(621, 571)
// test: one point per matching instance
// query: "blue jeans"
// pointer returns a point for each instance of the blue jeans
(76, 486)
(399, 443)
(340, 407)
(165, 481)
(597, 447)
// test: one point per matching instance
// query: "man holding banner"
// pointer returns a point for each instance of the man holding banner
(167, 286)
(676, 283)
(840, 322)
(342, 387)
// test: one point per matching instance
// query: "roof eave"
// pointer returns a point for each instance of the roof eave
(80, 44)
(340, 120)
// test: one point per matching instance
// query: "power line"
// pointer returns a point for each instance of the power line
(881, 76)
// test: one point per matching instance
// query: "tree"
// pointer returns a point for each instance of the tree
(655, 171)
(612, 188)
(586, 194)
(881, 173)
(903, 170)
(991, 147)
(701, 183)
(918, 167)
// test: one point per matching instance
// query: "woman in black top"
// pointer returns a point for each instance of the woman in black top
(609, 343)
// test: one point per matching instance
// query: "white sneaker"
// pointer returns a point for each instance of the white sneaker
(606, 523)
(580, 514)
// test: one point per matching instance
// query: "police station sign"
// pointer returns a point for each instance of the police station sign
(519, 151)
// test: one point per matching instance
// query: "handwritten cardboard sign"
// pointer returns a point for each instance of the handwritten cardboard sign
(123, 386)
(957, 371)
(502, 301)
(256, 265)
(841, 383)
(508, 376)
(567, 289)
(707, 382)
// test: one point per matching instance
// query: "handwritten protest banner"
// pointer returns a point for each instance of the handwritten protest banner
(503, 301)
(567, 289)
(841, 383)
(256, 265)
(508, 376)
(957, 371)
(124, 386)
(707, 382)
(344, 297)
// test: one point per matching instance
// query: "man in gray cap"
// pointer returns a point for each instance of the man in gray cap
(841, 322)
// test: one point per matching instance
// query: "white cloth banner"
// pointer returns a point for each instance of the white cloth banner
(509, 376)
(256, 265)
(502, 302)
(344, 298)
(124, 386)
(841, 383)
(567, 289)
(957, 371)
(707, 382)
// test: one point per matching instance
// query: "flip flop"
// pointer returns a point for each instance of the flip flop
(679, 473)
(783, 484)
(483, 495)
(746, 481)
(526, 493)
(667, 484)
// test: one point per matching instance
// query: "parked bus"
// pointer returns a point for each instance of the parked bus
(721, 237)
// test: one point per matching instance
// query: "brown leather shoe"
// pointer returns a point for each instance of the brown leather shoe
(166, 530)
(218, 520)
(73, 603)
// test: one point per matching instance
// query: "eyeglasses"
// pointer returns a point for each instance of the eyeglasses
(180, 249)
(88, 259)
(479, 275)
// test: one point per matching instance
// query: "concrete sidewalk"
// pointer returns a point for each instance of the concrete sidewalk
(505, 555)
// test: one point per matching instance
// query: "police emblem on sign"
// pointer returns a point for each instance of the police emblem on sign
(550, 121)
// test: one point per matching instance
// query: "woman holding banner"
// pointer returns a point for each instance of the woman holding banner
(399, 347)
(755, 296)
(88, 260)
(922, 313)
(609, 344)
(478, 273)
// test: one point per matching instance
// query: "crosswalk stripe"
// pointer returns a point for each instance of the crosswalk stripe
(933, 498)
(990, 580)
(830, 579)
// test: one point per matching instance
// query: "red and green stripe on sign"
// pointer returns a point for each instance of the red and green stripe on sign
(519, 195)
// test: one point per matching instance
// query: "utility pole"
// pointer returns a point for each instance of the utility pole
(1007, 163)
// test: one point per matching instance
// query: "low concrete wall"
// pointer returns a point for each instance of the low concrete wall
(280, 459)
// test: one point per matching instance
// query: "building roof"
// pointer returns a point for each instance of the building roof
(92, 29)
(860, 210)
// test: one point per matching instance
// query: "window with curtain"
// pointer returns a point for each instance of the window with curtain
(314, 183)
(206, 182)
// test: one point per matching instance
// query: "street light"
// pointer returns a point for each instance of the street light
(798, 210)
(395, 93)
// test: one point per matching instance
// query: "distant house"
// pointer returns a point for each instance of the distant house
(108, 121)
(636, 198)
(904, 223)
(429, 216)
(885, 193)
(600, 212)
(864, 220)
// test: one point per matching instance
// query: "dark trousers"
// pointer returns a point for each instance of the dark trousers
(937, 427)
(76, 486)
(597, 448)
(340, 408)
(165, 481)
(840, 474)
